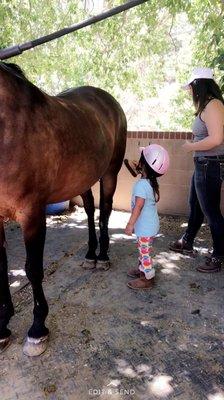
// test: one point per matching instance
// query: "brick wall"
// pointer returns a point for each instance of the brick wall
(174, 186)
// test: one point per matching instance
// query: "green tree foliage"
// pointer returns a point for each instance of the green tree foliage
(111, 53)
(137, 51)
(206, 17)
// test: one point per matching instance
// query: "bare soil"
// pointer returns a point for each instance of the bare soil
(108, 341)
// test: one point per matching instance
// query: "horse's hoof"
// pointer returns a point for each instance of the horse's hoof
(89, 264)
(103, 265)
(4, 343)
(34, 347)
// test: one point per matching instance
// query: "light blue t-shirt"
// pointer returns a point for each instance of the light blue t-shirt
(147, 223)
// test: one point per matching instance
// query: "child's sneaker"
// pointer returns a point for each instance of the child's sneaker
(141, 283)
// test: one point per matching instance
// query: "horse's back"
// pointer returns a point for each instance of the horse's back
(98, 99)
(106, 109)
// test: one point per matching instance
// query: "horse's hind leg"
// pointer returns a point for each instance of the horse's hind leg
(34, 230)
(6, 306)
(108, 185)
(88, 202)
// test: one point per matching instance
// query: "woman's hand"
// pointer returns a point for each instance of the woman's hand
(129, 229)
(187, 146)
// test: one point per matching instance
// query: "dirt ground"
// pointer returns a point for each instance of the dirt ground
(107, 341)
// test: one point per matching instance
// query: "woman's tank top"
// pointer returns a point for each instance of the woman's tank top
(200, 132)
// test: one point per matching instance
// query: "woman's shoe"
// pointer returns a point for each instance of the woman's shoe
(141, 283)
(181, 246)
(211, 265)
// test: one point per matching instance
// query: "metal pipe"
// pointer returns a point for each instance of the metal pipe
(19, 49)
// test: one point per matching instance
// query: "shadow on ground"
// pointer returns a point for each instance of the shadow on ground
(110, 342)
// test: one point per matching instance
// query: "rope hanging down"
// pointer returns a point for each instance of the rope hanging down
(19, 49)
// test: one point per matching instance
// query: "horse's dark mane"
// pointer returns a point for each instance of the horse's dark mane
(16, 72)
(14, 69)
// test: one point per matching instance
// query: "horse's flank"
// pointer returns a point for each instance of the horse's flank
(53, 148)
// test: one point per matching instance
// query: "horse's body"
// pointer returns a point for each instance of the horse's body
(53, 148)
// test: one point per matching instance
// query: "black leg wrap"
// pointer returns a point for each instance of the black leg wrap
(91, 255)
(6, 312)
(103, 257)
(37, 330)
(40, 312)
(104, 246)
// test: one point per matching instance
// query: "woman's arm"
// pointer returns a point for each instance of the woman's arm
(136, 211)
(213, 117)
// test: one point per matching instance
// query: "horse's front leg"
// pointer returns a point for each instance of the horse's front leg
(107, 188)
(6, 306)
(34, 231)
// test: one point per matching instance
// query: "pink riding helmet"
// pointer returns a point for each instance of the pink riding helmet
(156, 157)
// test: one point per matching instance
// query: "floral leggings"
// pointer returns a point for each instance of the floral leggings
(145, 259)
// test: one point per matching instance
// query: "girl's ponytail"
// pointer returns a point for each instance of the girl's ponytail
(155, 186)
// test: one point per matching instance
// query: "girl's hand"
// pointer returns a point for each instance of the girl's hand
(187, 146)
(129, 229)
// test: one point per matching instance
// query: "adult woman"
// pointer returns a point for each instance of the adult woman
(208, 148)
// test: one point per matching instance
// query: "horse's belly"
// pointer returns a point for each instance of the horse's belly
(72, 184)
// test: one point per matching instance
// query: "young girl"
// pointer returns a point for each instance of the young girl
(144, 220)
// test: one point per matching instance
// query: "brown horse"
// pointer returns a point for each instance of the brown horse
(52, 148)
